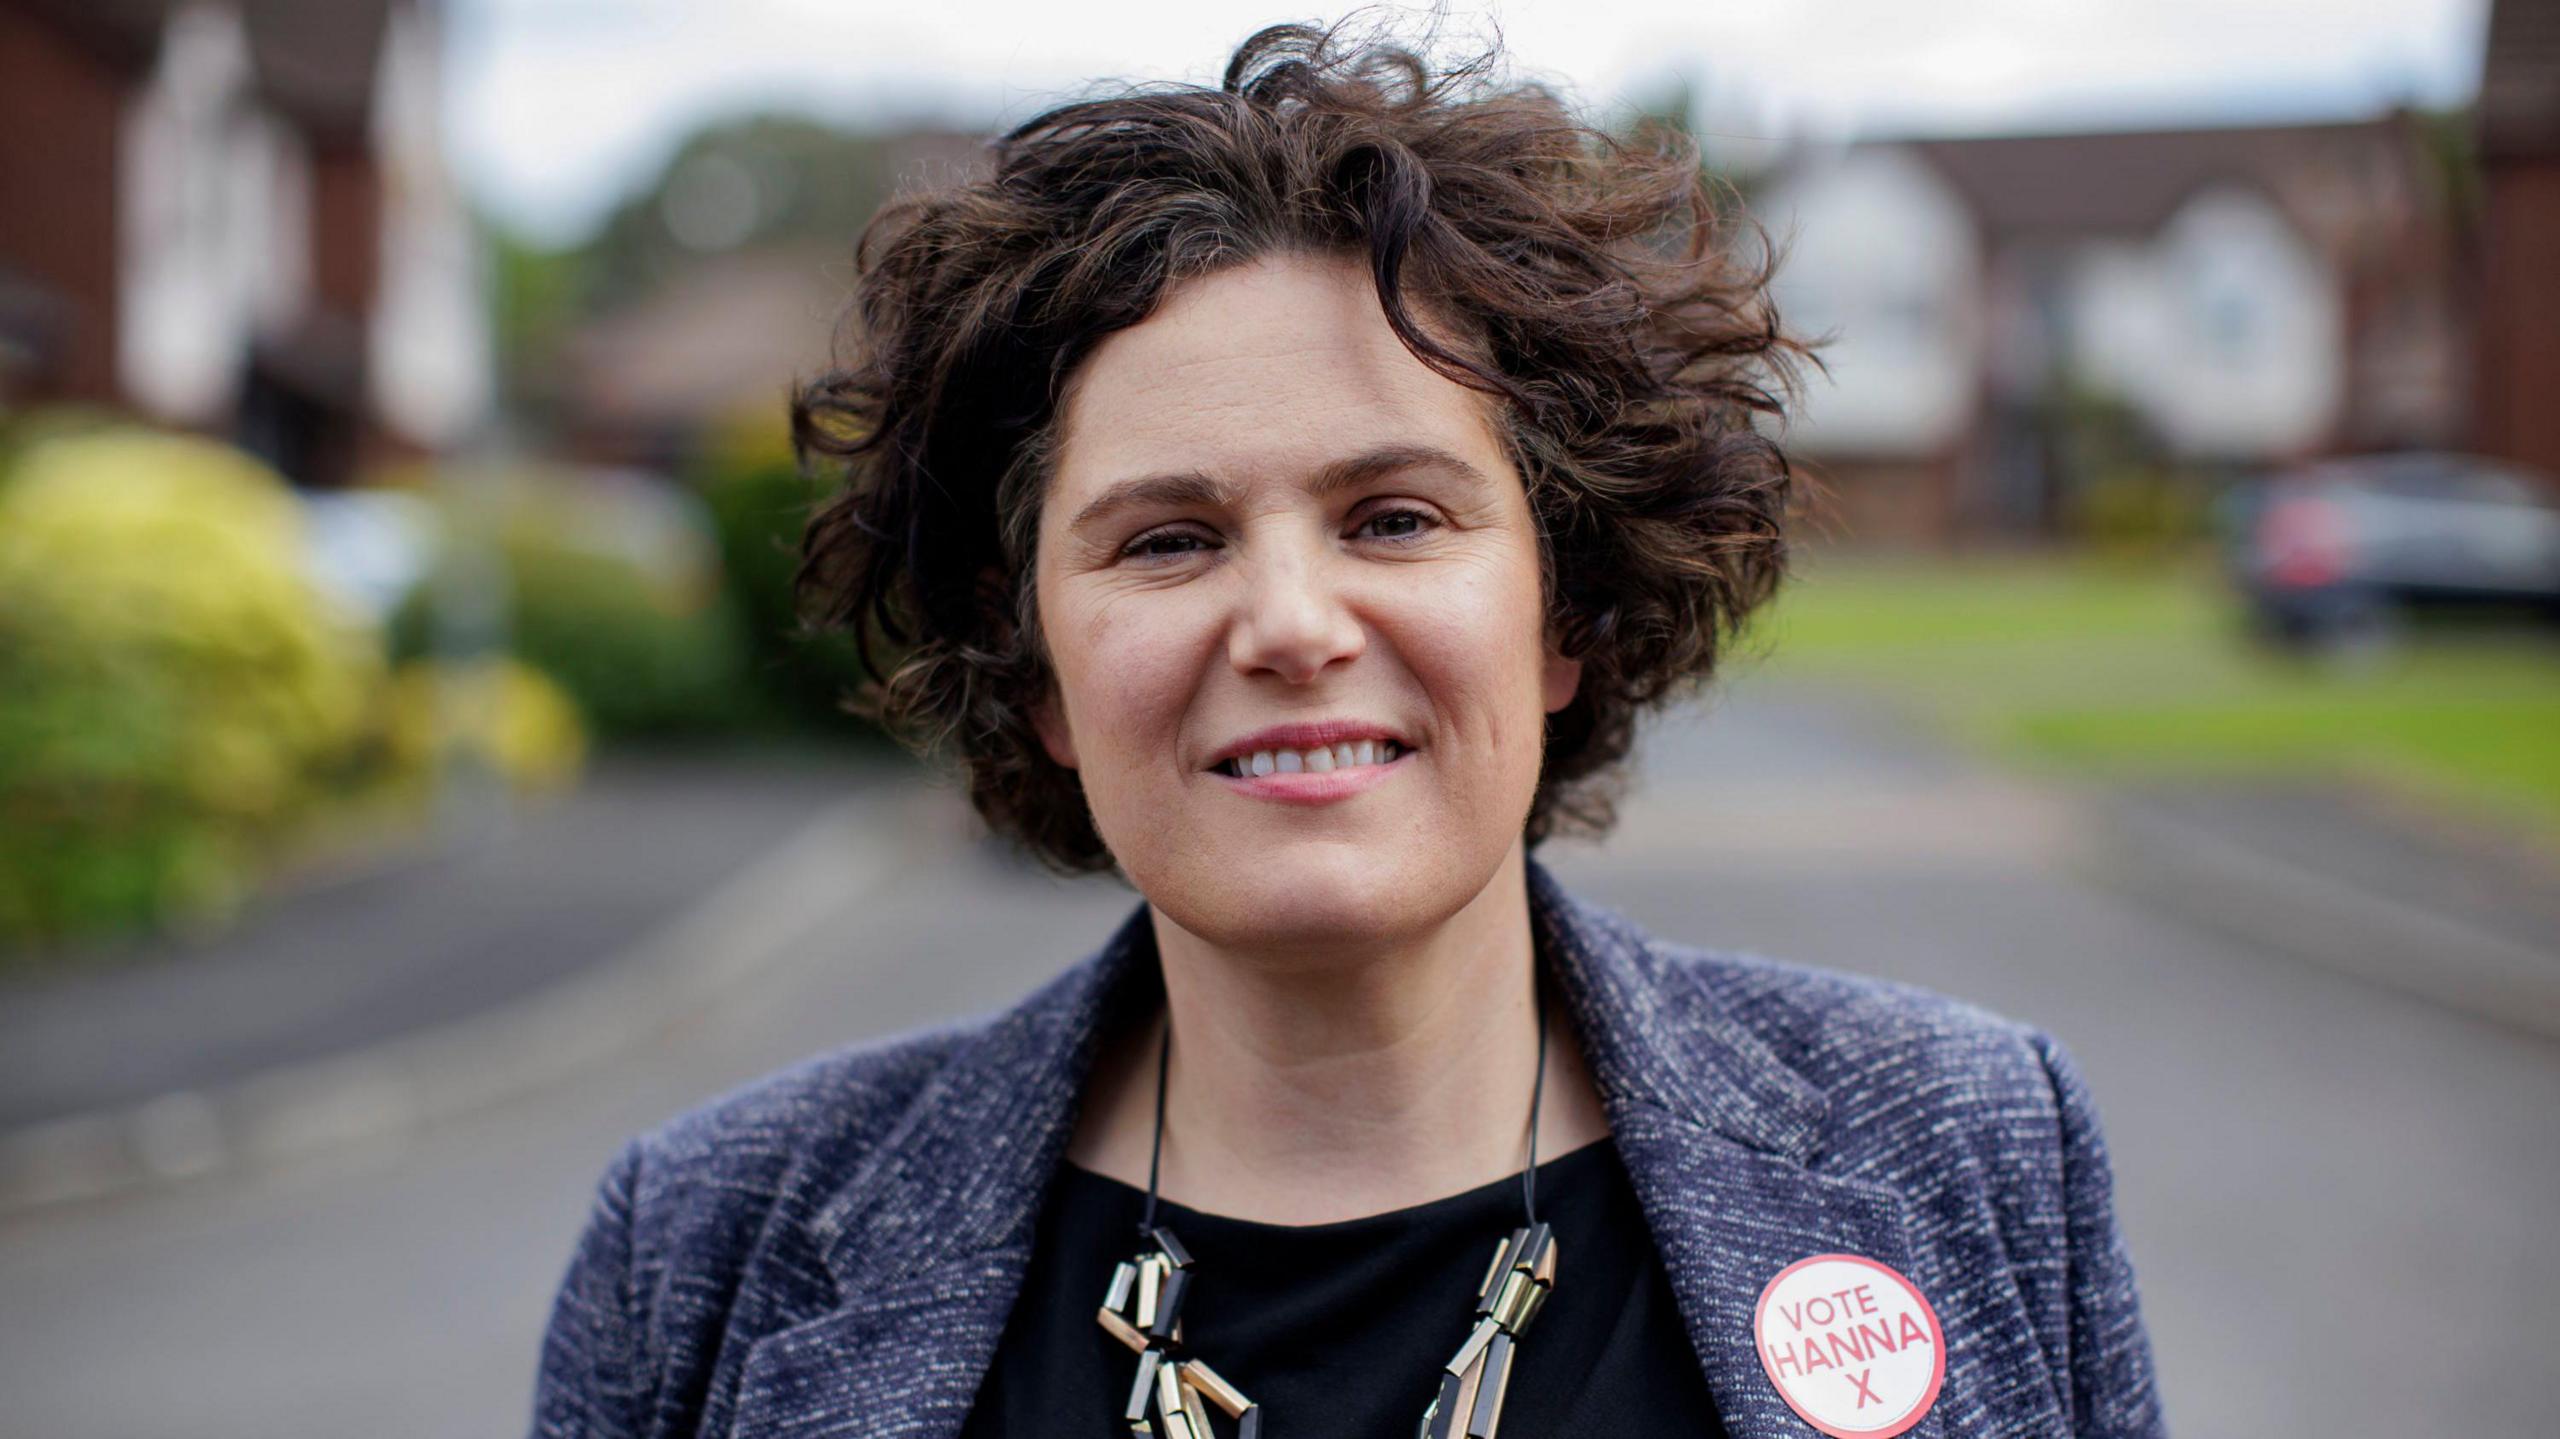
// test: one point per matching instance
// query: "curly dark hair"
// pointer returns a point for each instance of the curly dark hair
(1594, 284)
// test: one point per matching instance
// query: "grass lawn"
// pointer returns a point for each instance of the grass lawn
(2112, 669)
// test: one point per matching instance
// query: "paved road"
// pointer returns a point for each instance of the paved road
(2340, 1199)
(538, 896)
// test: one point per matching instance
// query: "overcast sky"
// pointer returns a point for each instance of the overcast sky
(557, 107)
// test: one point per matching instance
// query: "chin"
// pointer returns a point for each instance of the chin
(1308, 897)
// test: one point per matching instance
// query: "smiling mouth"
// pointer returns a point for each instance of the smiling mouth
(1316, 759)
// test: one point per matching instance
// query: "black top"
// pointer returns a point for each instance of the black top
(1339, 1330)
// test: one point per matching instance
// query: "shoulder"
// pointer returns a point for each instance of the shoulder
(751, 1191)
(789, 1136)
(723, 1203)
(813, 1116)
(1832, 1024)
(703, 1235)
(1900, 1067)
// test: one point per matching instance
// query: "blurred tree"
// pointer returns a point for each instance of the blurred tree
(760, 186)
(2450, 140)
(763, 181)
(538, 295)
(750, 185)
(2117, 490)
(760, 502)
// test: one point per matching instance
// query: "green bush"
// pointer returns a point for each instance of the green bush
(2141, 511)
(175, 694)
(606, 582)
(760, 503)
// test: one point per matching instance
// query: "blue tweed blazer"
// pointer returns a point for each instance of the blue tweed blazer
(834, 1250)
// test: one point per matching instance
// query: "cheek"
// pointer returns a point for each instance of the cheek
(1484, 627)
(1126, 670)
(1473, 635)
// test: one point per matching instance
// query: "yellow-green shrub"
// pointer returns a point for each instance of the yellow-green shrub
(498, 713)
(174, 692)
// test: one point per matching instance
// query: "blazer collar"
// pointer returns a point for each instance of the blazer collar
(928, 1240)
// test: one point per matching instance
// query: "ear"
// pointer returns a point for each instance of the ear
(1560, 680)
(1049, 720)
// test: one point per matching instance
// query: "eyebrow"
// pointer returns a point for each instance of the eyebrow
(1194, 488)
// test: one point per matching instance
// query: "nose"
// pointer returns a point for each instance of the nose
(1292, 620)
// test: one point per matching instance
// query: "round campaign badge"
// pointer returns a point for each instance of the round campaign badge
(1850, 1345)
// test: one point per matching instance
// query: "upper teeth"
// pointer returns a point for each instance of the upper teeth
(1318, 759)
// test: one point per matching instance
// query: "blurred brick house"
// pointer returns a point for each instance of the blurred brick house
(235, 218)
(2235, 297)
(2517, 407)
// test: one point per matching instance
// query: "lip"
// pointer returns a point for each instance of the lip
(1308, 787)
(1308, 735)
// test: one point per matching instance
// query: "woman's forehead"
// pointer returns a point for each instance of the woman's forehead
(1269, 370)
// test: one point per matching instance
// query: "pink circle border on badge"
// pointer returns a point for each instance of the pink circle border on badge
(1937, 1343)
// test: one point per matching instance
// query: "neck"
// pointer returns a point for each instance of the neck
(1305, 1090)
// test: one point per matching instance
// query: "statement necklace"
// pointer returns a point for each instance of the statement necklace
(1174, 1391)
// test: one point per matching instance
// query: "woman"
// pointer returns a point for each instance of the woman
(1289, 495)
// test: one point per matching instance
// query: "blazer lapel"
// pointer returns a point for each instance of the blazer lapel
(1726, 1219)
(929, 1241)
(901, 1359)
(1716, 1134)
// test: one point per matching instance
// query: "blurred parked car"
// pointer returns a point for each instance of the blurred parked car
(2338, 551)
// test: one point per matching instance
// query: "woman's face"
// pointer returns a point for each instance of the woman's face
(1276, 541)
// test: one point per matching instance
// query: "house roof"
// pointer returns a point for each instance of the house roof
(2130, 182)
(726, 332)
(314, 59)
(2520, 79)
(122, 32)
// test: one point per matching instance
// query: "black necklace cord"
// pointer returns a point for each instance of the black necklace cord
(1537, 1097)
(1155, 1153)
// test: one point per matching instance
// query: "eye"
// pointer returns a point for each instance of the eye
(1401, 524)
(1163, 544)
